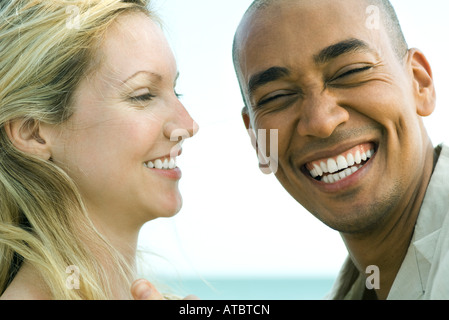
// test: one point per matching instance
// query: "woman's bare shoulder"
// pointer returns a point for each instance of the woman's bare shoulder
(27, 285)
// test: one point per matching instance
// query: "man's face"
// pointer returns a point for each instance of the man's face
(352, 146)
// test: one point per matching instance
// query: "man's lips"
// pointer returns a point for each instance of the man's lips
(340, 165)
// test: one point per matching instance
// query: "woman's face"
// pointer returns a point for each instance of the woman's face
(127, 122)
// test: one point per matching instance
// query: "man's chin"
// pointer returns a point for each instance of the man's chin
(358, 219)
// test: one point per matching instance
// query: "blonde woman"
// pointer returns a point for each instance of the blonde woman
(89, 130)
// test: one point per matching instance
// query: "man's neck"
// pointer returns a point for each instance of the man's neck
(387, 246)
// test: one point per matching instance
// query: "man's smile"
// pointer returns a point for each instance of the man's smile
(340, 166)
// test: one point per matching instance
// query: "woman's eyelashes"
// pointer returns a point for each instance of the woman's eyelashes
(148, 97)
(143, 98)
(178, 95)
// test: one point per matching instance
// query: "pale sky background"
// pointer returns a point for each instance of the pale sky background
(236, 221)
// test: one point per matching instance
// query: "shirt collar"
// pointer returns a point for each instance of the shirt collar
(411, 281)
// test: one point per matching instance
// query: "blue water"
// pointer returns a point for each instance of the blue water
(254, 289)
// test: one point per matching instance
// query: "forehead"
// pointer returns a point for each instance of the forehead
(134, 42)
(288, 33)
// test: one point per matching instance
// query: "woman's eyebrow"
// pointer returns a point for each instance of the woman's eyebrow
(151, 74)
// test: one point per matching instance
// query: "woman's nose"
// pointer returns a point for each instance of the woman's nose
(180, 125)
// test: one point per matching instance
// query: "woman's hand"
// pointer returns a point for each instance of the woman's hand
(144, 290)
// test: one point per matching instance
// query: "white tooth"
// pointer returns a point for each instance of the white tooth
(324, 167)
(369, 154)
(165, 164)
(158, 164)
(150, 164)
(354, 169)
(336, 177)
(348, 172)
(342, 163)
(313, 173)
(364, 156)
(331, 178)
(318, 170)
(358, 158)
(145, 165)
(342, 174)
(326, 179)
(171, 163)
(332, 165)
(350, 159)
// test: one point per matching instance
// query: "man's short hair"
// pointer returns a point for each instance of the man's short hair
(391, 24)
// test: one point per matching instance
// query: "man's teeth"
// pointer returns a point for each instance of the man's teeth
(335, 169)
(163, 164)
(331, 178)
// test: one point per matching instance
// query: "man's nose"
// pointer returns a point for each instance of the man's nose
(180, 124)
(320, 115)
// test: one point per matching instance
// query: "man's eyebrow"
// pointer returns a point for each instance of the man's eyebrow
(340, 48)
(266, 76)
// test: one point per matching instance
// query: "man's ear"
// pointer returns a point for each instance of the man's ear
(423, 84)
(263, 161)
(249, 129)
(25, 135)
(245, 117)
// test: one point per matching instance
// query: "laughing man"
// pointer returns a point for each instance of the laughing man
(347, 97)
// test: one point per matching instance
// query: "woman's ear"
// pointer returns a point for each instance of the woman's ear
(25, 135)
(423, 84)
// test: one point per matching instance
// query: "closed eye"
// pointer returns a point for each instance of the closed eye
(144, 97)
(275, 97)
(353, 71)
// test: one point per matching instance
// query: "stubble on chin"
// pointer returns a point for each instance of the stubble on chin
(363, 219)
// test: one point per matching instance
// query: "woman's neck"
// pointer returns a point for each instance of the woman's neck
(124, 240)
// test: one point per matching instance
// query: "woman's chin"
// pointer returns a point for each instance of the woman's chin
(167, 209)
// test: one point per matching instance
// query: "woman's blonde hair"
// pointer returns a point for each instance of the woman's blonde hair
(46, 48)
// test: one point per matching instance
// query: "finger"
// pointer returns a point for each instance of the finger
(191, 297)
(143, 290)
